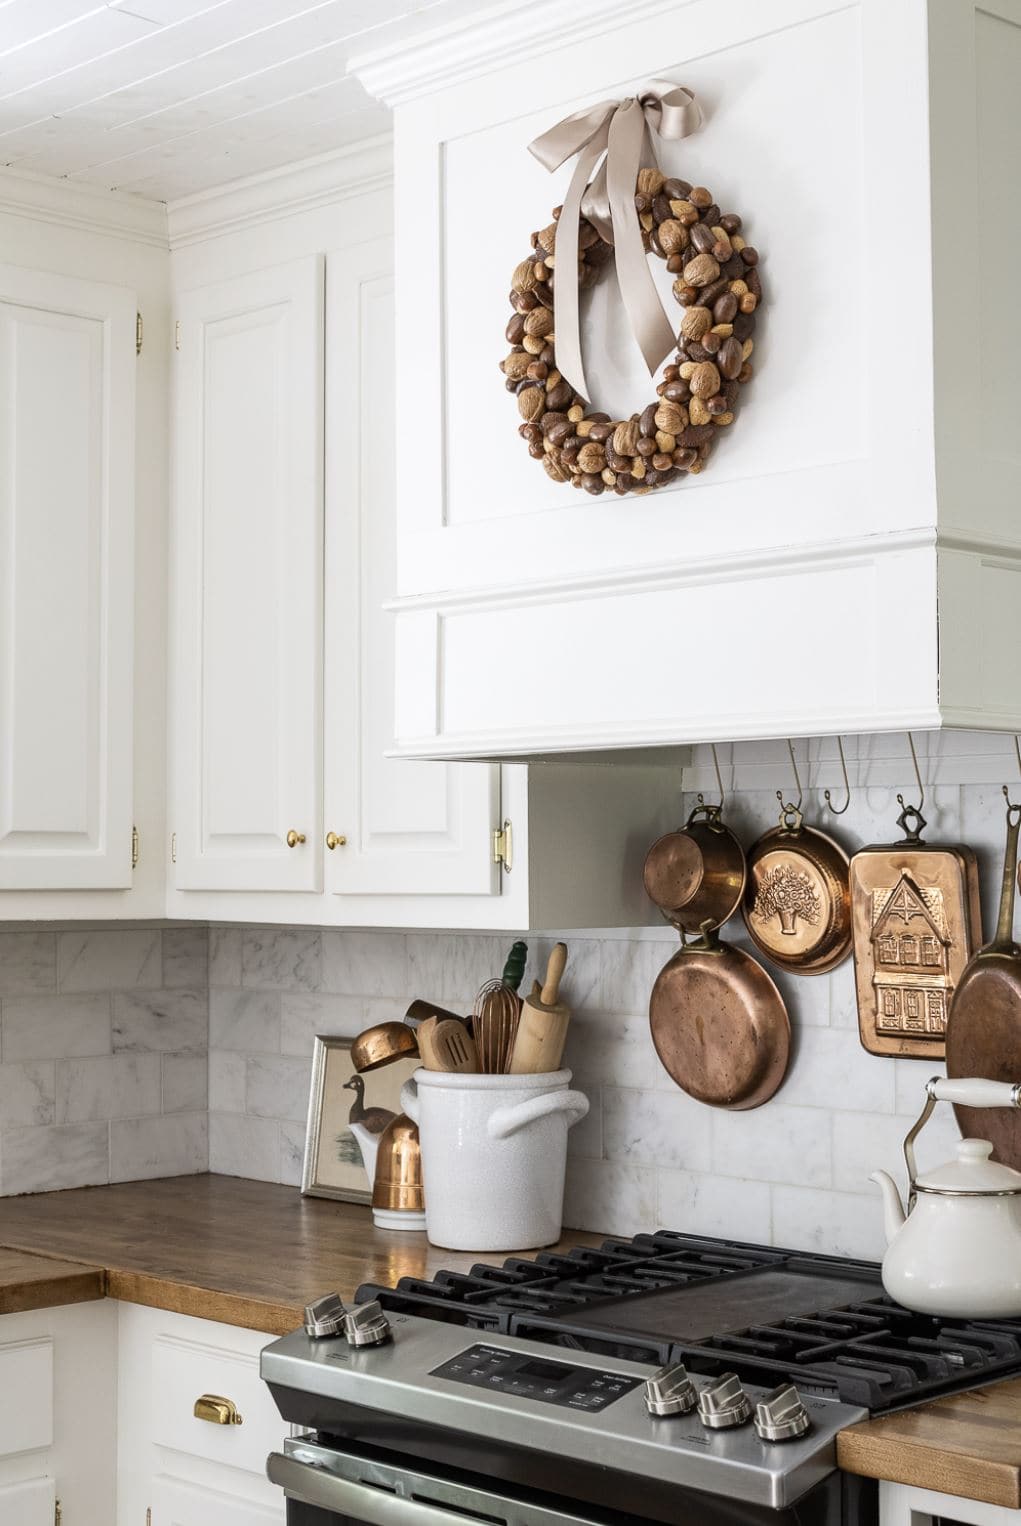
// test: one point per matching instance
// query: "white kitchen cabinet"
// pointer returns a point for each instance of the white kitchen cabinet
(29, 1504)
(178, 1504)
(850, 560)
(67, 514)
(247, 576)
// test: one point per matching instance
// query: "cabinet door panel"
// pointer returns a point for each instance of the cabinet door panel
(248, 574)
(67, 405)
(180, 1504)
(28, 1504)
(411, 828)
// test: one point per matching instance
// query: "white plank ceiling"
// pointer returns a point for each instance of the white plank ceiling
(163, 98)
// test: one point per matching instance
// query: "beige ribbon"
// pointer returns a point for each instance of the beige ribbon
(618, 130)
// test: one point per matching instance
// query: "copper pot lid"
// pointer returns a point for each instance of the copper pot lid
(797, 902)
(719, 1025)
(696, 873)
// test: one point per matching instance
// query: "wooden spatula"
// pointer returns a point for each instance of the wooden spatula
(446, 1044)
(542, 1027)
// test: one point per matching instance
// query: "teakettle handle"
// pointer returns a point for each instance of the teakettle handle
(973, 1091)
(970, 1091)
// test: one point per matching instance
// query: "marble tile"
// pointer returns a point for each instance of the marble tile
(117, 960)
(450, 969)
(586, 1137)
(303, 1014)
(613, 1050)
(112, 1086)
(843, 996)
(831, 1068)
(292, 1153)
(280, 959)
(629, 970)
(51, 1159)
(773, 1144)
(185, 1083)
(227, 1079)
(277, 1087)
(54, 1027)
(173, 1022)
(366, 964)
(186, 957)
(248, 1020)
(656, 1129)
(175, 1145)
(836, 1223)
(609, 1196)
(696, 1203)
(28, 963)
(910, 1078)
(27, 1094)
(225, 956)
(241, 1146)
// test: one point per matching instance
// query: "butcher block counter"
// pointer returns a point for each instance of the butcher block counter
(218, 1247)
(967, 1445)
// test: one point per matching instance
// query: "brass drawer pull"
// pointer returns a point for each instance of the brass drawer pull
(294, 838)
(216, 1410)
(335, 840)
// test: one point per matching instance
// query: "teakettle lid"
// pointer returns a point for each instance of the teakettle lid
(971, 1171)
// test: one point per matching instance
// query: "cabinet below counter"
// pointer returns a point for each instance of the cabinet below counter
(224, 1248)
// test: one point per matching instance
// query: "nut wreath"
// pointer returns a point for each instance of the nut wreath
(717, 282)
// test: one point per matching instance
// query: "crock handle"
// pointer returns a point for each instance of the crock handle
(508, 1120)
(409, 1099)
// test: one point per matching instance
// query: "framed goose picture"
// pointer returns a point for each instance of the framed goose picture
(347, 1114)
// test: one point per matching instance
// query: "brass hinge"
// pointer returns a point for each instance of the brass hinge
(136, 846)
(138, 333)
(148, 1516)
(177, 334)
(58, 1513)
(503, 846)
(173, 847)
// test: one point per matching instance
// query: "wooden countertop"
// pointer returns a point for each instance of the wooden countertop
(220, 1247)
(29, 1281)
(968, 1445)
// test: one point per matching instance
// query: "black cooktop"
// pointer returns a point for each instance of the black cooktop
(719, 1306)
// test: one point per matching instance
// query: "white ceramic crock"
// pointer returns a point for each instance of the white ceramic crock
(494, 1153)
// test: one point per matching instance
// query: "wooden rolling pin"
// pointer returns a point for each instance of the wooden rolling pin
(542, 1027)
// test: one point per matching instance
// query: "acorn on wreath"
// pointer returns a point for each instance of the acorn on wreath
(716, 281)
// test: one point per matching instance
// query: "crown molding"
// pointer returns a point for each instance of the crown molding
(509, 33)
(366, 165)
(86, 208)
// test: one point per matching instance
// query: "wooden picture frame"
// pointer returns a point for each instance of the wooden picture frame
(337, 1140)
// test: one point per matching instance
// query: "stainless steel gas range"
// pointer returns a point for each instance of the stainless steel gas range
(664, 1378)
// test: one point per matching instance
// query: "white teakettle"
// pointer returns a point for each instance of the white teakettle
(957, 1251)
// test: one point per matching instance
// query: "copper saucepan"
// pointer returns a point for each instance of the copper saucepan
(697, 873)
(797, 902)
(719, 1024)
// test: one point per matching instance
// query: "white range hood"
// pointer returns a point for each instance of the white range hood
(850, 559)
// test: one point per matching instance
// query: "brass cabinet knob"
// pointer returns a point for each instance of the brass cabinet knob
(334, 841)
(216, 1410)
(294, 838)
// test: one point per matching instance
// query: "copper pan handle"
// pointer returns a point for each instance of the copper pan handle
(1005, 922)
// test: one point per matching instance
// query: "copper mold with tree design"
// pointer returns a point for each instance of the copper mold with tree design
(797, 903)
(916, 920)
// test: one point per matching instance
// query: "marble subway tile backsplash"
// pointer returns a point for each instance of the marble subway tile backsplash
(103, 1056)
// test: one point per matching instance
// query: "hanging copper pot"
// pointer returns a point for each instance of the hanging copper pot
(797, 902)
(697, 873)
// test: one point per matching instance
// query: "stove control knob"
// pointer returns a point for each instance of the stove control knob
(325, 1317)
(724, 1403)
(670, 1391)
(781, 1416)
(365, 1324)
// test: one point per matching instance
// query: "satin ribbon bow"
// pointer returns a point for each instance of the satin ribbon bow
(618, 129)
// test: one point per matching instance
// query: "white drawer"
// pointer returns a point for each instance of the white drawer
(26, 1396)
(184, 1369)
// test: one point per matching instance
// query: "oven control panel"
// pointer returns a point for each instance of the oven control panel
(511, 1372)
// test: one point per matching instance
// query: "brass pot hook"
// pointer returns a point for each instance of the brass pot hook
(701, 798)
(788, 809)
(847, 788)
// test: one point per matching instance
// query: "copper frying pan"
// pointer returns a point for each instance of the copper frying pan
(984, 1025)
(719, 1024)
